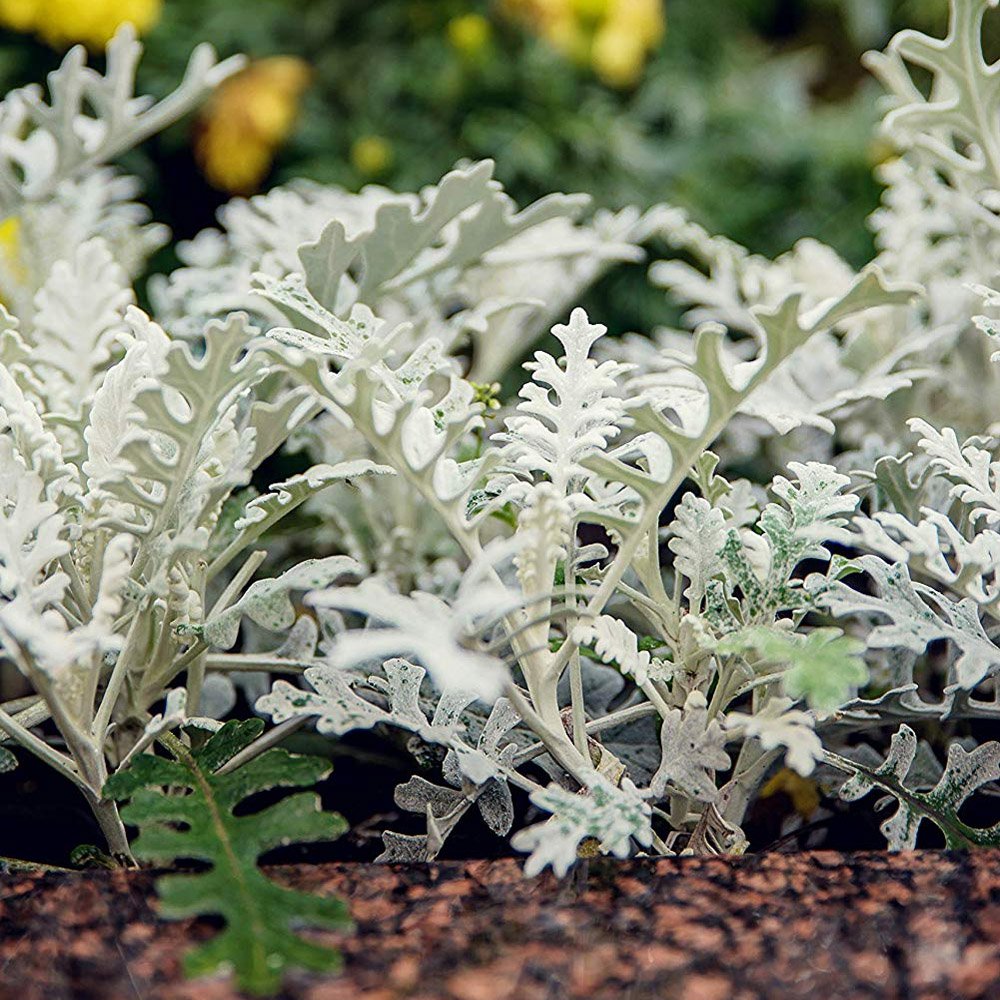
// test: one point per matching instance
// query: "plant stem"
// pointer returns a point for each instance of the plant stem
(63, 764)
(561, 750)
(609, 721)
(577, 703)
(269, 739)
(240, 579)
(751, 766)
(102, 719)
(576, 697)
(110, 822)
(226, 662)
(76, 586)
(106, 813)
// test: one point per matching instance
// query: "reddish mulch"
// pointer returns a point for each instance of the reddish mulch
(818, 926)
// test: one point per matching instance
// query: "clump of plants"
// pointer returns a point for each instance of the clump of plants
(632, 589)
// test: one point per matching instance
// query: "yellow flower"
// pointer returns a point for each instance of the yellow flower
(613, 36)
(247, 120)
(10, 246)
(803, 792)
(92, 22)
(630, 30)
(591, 10)
(371, 155)
(469, 34)
(618, 57)
(19, 15)
(553, 20)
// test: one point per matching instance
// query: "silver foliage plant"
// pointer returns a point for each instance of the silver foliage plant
(571, 595)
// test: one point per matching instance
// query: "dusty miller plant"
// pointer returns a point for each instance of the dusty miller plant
(727, 647)
(572, 595)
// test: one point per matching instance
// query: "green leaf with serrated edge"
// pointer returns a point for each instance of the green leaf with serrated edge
(823, 666)
(185, 810)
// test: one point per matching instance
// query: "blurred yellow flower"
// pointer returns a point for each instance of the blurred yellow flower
(19, 15)
(591, 10)
(247, 120)
(10, 250)
(469, 34)
(371, 155)
(65, 22)
(630, 30)
(803, 792)
(554, 20)
(613, 36)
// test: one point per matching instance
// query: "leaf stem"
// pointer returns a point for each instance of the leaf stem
(264, 742)
(63, 764)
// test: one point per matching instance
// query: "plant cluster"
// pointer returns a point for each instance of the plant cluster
(571, 594)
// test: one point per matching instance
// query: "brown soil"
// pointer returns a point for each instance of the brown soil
(818, 926)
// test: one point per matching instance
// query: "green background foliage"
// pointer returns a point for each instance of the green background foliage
(755, 114)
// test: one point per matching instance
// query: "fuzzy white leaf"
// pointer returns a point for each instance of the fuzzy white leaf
(698, 533)
(778, 725)
(567, 411)
(692, 748)
(972, 470)
(439, 636)
(78, 316)
(918, 615)
(613, 816)
(615, 642)
(267, 602)
(963, 775)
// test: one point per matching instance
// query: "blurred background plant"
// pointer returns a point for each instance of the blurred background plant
(755, 115)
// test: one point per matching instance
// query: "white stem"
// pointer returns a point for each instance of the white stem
(240, 579)
(269, 739)
(102, 719)
(60, 762)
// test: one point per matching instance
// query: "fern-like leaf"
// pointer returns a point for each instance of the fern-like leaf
(948, 123)
(258, 942)
(450, 226)
(918, 615)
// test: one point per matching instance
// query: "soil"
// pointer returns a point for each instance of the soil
(785, 926)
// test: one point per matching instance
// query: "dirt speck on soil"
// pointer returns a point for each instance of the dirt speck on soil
(819, 925)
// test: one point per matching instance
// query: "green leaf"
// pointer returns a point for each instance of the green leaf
(822, 667)
(185, 811)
